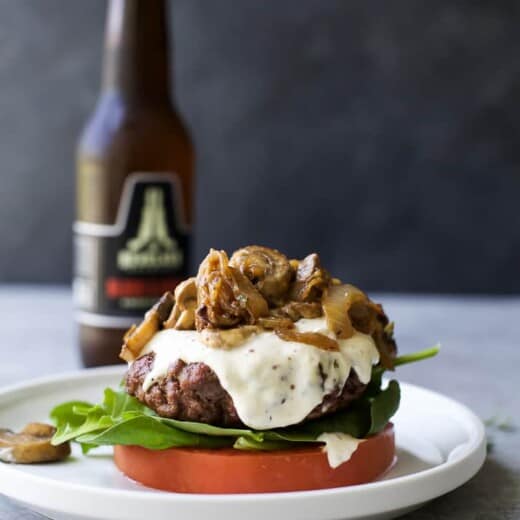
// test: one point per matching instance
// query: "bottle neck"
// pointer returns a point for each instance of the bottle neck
(136, 55)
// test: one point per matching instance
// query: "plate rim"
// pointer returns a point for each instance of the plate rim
(468, 460)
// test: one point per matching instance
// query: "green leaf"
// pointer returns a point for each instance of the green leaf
(149, 433)
(70, 429)
(383, 407)
(66, 412)
(118, 403)
(378, 370)
(376, 380)
(246, 443)
(290, 435)
(81, 410)
(417, 356)
(85, 448)
(355, 421)
(214, 431)
(122, 419)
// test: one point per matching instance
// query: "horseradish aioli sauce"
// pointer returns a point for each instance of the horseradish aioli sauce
(273, 383)
(339, 447)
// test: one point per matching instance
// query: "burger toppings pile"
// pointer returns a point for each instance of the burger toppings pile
(257, 289)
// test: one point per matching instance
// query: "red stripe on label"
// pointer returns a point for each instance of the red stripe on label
(136, 287)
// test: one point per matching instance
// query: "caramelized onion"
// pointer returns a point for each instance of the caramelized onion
(337, 301)
(309, 338)
(297, 310)
(347, 308)
(275, 322)
(225, 297)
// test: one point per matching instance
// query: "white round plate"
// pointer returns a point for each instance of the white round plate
(441, 444)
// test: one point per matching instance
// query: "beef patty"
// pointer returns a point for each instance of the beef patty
(192, 392)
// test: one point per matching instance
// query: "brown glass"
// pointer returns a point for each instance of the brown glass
(134, 128)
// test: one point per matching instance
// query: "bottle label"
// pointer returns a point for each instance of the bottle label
(122, 269)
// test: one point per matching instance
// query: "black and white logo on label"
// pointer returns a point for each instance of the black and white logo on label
(121, 269)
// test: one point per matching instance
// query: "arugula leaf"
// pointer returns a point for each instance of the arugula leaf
(118, 403)
(85, 448)
(71, 428)
(67, 412)
(213, 431)
(383, 407)
(150, 433)
(355, 421)
(121, 419)
(378, 370)
(417, 356)
(245, 443)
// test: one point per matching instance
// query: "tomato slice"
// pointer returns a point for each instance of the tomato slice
(192, 470)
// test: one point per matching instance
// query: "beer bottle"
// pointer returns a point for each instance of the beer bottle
(134, 184)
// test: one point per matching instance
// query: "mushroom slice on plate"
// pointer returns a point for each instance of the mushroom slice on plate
(32, 445)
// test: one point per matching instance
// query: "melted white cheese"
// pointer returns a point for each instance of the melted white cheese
(339, 447)
(273, 383)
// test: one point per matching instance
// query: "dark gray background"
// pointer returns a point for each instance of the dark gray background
(383, 134)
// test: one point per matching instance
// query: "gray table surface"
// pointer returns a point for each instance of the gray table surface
(479, 366)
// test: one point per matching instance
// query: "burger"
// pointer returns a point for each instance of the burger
(260, 374)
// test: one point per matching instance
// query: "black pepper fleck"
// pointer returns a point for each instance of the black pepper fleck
(322, 374)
